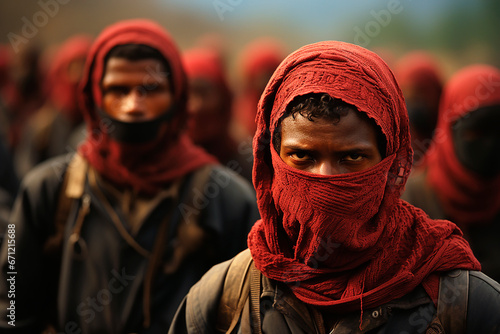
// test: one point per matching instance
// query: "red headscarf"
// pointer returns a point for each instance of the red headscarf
(420, 79)
(207, 64)
(345, 241)
(260, 56)
(63, 89)
(419, 72)
(144, 167)
(210, 129)
(466, 197)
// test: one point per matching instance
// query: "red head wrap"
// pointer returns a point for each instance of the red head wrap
(466, 197)
(207, 64)
(259, 57)
(344, 240)
(144, 167)
(419, 76)
(63, 89)
(418, 71)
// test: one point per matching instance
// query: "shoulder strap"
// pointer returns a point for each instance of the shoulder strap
(235, 292)
(453, 300)
(189, 234)
(255, 292)
(71, 188)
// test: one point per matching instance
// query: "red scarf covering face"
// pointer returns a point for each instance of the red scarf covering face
(466, 197)
(345, 241)
(63, 89)
(144, 167)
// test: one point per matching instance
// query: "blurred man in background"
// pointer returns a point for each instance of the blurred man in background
(48, 132)
(257, 62)
(110, 239)
(460, 180)
(419, 76)
(210, 109)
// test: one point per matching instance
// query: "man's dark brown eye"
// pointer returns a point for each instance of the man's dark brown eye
(299, 155)
(117, 90)
(354, 157)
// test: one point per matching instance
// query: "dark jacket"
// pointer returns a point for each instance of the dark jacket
(100, 283)
(282, 312)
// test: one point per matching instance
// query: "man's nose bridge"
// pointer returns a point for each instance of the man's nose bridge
(133, 99)
(194, 103)
(327, 168)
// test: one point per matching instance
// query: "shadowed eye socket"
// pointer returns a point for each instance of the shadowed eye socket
(300, 155)
(354, 157)
(116, 90)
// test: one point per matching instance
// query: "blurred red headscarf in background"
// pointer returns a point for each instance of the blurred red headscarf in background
(419, 76)
(209, 103)
(257, 62)
(465, 196)
(64, 76)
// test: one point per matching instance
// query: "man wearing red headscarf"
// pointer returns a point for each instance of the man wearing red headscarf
(337, 250)
(110, 239)
(461, 179)
(420, 79)
(48, 131)
(257, 62)
(209, 107)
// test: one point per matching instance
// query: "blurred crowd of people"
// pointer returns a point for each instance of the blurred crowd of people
(45, 114)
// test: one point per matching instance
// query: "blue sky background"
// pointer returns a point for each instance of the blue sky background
(457, 31)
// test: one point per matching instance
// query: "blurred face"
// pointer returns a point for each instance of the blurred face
(135, 91)
(206, 106)
(75, 71)
(477, 141)
(327, 148)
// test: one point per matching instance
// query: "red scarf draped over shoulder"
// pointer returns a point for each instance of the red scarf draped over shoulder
(146, 167)
(345, 242)
(465, 196)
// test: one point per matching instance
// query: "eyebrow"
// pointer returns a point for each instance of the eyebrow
(359, 147)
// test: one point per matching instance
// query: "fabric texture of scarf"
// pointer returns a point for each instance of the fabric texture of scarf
(144, 167)
(345, 242)
(466, 197)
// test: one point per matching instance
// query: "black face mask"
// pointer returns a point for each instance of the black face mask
(421, 118)
(476, 138)
(134, 132)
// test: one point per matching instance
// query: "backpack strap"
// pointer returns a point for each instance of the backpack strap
(453, 300)
(255, 292)
(71, 188)
(235, 292)
(191, 229)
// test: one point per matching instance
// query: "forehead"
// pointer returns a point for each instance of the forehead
(144, 70)
(349, 127)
